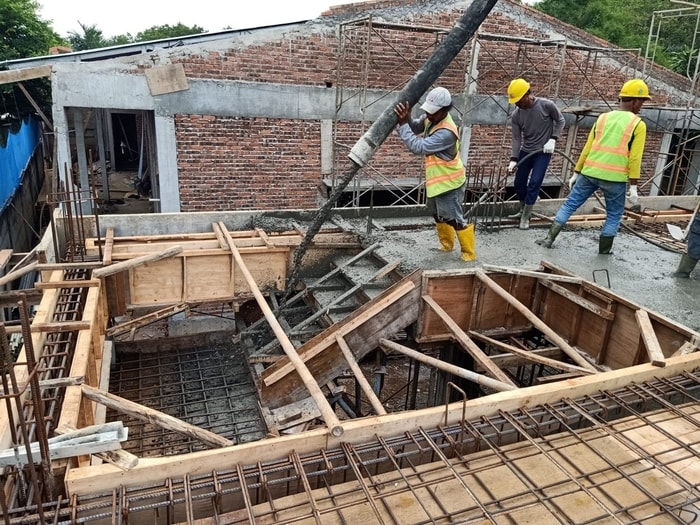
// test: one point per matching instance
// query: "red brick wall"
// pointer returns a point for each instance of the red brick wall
(243, 163)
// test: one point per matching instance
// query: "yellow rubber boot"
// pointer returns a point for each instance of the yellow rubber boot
(446, 235)
(467, 243)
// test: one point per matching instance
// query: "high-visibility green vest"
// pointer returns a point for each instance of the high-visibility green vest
(442, 175)
(608, 158)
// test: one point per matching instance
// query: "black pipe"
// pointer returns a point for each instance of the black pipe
(364, 149)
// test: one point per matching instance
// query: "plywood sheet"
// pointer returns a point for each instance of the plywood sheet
(208, 277)
(159, 282)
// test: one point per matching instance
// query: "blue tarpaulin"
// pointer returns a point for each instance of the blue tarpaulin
(14, 158)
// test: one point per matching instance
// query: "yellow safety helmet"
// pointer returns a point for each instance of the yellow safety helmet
(635, 88)
(517, 90)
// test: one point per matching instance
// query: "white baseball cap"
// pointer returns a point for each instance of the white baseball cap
(437, 99)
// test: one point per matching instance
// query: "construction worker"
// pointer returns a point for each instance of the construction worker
(435, 135)
(690, 259)
(536, 124)
(611, 158)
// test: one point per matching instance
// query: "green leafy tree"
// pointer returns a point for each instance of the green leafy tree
(24, 34)
(627, 24)
(120, 40)
(168, 31)
(685, 60)
(91, 38)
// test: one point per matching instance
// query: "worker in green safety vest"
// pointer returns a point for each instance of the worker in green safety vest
(435, 135)
(611, 158)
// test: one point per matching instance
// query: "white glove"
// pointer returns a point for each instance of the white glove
(633, 195)
(549, 146)
(572, 180)
(511, 166)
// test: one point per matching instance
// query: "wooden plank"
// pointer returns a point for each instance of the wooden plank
(536, 321)
(119, 458)
(495, 384)
(329, 416)
(466, 342)
(137, 261)
(10, 298)
(68, 446)
(220, 237)
(360, 376)
(209, 278)
(530, 356)
(66, 284)
(5, 256)
(393, 310)
(535, 274)
(147, 319)
(62, 326)
(109, 246)
(307, 353)
(104, 478)
(26, 73)
(688, 347)
(156, 417)
(580, 301)
(158, 283)
(656, 356)
(68, 266)
(16, 274)
(60, 382)
(77, 411)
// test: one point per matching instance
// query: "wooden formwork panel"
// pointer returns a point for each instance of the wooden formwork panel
(471, 304)
(157, 282)
(455, 294)
(598, 322)
(194, 276)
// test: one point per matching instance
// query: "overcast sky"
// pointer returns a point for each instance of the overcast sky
(118, 17)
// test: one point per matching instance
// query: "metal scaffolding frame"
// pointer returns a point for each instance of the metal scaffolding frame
(679, 174)
(363, 42)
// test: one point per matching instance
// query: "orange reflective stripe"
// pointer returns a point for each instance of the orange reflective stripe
(434, 160)
(621, 147)
(447, 177)
(606, 166)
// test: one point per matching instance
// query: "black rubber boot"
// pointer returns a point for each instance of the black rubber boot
(605, 245)
(518, 213)
(685, 267)
(554, 230)
(525, 218)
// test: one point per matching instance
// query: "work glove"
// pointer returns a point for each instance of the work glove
(633, 195)
(549, 146)
(511, 166)
(572, 180)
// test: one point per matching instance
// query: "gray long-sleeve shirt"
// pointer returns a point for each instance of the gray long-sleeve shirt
(439, 143)
(534, 126)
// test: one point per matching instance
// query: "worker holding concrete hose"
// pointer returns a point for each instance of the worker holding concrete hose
(536, 124)
(435, 135)
(690, 259)
(611, 158)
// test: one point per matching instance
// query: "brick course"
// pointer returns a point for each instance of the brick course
(227, 163)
